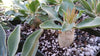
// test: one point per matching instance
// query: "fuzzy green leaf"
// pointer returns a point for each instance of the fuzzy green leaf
(43, 18)
(98, 8)
(49, 25)
(13, 41)
(5, 25)
(30, 45)
(0, 1)
(51, 12)
(66, 27)
(80, 14)
(90, 14)
(85, 5)
(11, 12)
(34, 50)
(51, 1)
(74, 1)
(3, 49)
(91, 3)
(65, 5)
(34, 5)
(20, 5)
(88, 23)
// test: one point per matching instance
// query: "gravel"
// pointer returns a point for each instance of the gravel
(83, 45)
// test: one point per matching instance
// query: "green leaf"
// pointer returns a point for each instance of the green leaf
(66, 27)
(18, 14)
(74, 1)
(43, 18)
(3, 49)
(5, 25)
(98, 8)
(88, 23)
(50, 25)
(57, 8)
(21, 5)
(0, 1)
(80, 14)
(29, 19)
(65, 5)
(51, 1)
(85, 5)
(51, 12)
(13, 41)
(91, 3)
(23, 12)
(79, 7)
(34, 5)
(11, 12)
(34, 50)
(31, 43)
(90, 14)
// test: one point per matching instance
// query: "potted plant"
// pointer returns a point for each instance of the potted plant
(69, 23)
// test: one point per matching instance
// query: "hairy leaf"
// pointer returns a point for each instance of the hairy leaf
(98, 8)
(34, 5)
(51, 12)
(86, 5)
(80, 14)
(11, 12)
(3, 49)
(13, 41)
(51, 1)
(65, 5)
(66, 27)
(90, 14)
(31, 44)
(49, 25)
(87, 23)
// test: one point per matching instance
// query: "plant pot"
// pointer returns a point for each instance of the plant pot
(66, 38)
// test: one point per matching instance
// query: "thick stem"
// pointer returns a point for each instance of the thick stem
(66, 38)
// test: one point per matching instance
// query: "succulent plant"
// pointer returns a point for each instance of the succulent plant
(69, 24)
(30, 46)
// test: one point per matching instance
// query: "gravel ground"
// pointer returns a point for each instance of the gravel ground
(83, 45)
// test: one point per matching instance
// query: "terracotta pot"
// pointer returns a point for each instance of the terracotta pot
(66, 38)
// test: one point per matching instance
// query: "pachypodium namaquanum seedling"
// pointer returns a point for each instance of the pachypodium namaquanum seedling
(69, 24)
(66, 36)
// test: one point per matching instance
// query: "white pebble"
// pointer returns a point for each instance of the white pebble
(53, 54)
(87, 53)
